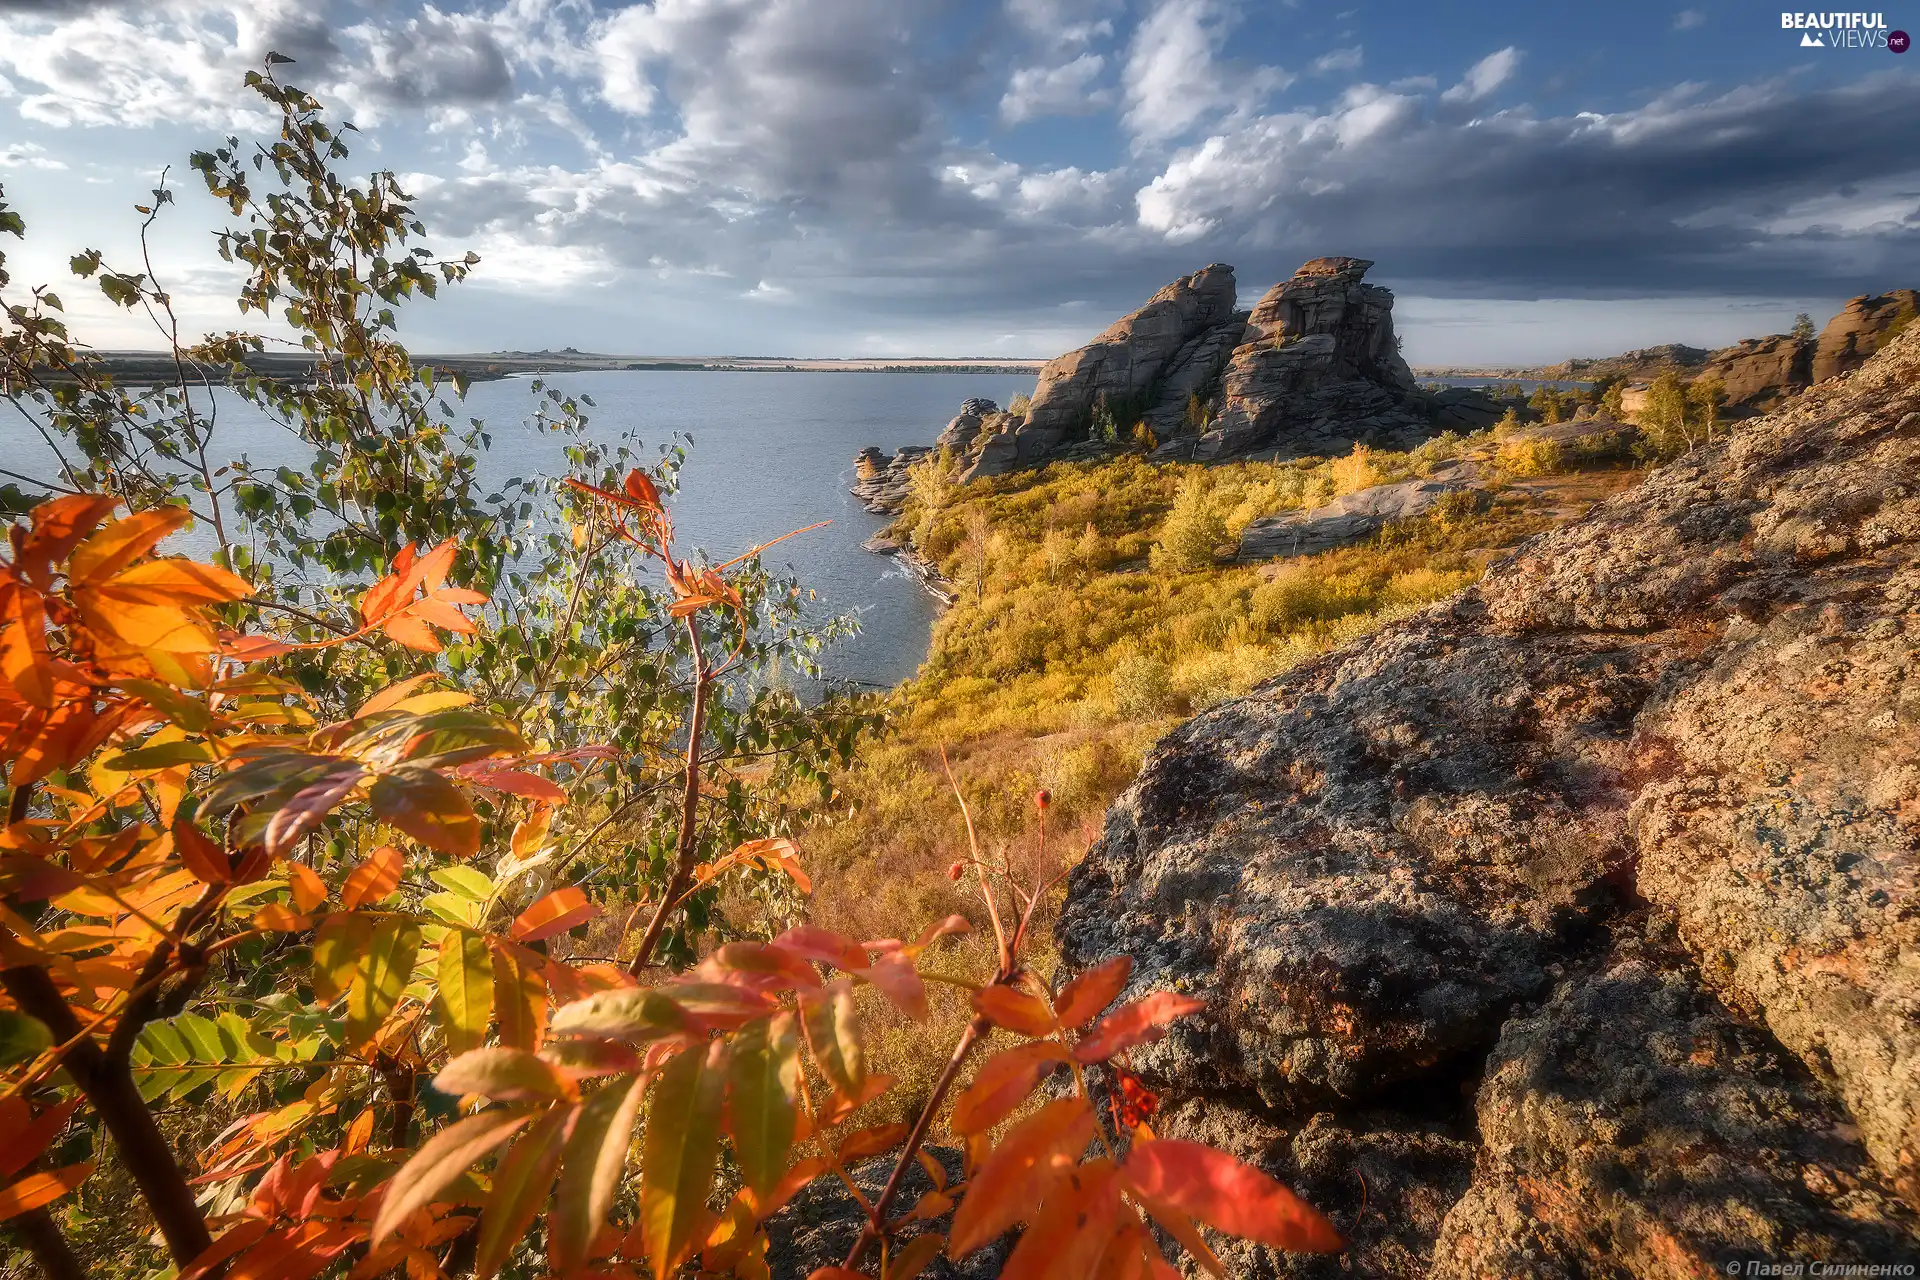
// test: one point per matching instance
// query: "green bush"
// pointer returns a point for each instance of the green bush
(1194, 531)
(1142, 688)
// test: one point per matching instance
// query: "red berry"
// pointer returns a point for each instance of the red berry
(957, 870)
(1042, 798)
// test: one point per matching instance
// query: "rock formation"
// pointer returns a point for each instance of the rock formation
(1124, 367)
(1567, 928)
(880, 479)
(1351, 518)
(1759, 373)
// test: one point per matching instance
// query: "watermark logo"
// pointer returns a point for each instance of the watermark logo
(1844, 31)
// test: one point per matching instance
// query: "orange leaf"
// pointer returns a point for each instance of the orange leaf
(1073, 1227)
(198, 854)
(412, 632)
(518, 782)
(1225, 1194)
(26, 1139)
(122, 542)
(505, 1075)
(558, 912)
(1081, 1000)
(183, 580)
(899, 983)
(640, 488)
(373, 879)
(519, 997)
(397, 692)
(1003, 1083)
(1017, 1175)
(37, 1190)
(870, 1142)
(1141, 1022)
(281, 919)
(823, 945)
(1014, 1010)
(58, 526)
(308, 891)
(359, 1133)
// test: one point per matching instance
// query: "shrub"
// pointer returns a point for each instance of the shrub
(1523, 458)
(1193, 533)
(1142, 687)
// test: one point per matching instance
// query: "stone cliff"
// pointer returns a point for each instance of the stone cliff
(1569, 928)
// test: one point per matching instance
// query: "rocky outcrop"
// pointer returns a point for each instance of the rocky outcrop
(1351, 518)
(1760, 372)
(880, 479)
(1852, 337)
(964, 429)
(1412, 862)
(1123, 367)
(1464, 409)
(1320, 373)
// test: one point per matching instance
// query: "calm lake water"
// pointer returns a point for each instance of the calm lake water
(771, 452)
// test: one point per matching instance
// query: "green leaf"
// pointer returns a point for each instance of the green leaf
(164, 756)
(338, 944)
(590, 1170)
(380, 974)
(429, 808)
(520, 1187)
(468, 882)
(682, 1146)
(466, 990)
(763, 1082)
(21, 1037)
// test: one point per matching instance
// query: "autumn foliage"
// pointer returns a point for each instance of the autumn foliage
(350, 933)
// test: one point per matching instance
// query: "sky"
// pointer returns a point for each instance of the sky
(1006, 177)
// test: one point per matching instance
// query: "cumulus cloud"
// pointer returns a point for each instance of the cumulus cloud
(28, 155)
(1338, 60)
(1067, 90)
(1175, 77)
(1065, 22)
(1484, 76)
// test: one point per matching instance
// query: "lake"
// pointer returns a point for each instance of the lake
(771, 452)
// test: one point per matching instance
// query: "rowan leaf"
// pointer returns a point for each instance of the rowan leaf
(439, 1162)
(833, 1035)
(27, 1138)
(38, 1190)
(308, 889)
(867, 1143)
(556, 913)
(590, 1169)
(373, 879)
(1003, 1083)
(465, 991)
(1081, 1000)
(913, 1256)
(1015, 1010)
(338, 945)
(895, 977)
(505, 1075)
(122, 542)
(429, 808)
(519, 998)
(1227, 1195)
(682, 1146)
(763, 1078)
(1075, 1224)
(379, 976)
(1141, 1022)
(1016, 1176)
(520, 1186)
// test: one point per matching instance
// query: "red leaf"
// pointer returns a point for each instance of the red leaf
(1141, 1022)
(1225, 1194)
(207, 860)
(1014, 1010)
(1016, 1176)
(1081, 1000)
(558, 912)
(27, 1139)
(412, 632)
(517, 782)
(640, 488)
(823, 945)
(899, 983)
(1003, 1083)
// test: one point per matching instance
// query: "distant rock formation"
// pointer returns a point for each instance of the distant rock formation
(1759, 373)
(880, 478)
(1566, 928)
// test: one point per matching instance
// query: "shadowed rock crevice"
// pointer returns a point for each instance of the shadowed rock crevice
(1630, 825)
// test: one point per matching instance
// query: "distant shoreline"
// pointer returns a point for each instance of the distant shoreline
(482, 366)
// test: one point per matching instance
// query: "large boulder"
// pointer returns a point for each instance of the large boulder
(1124, 365)
(1348, 519)
(1696, 702)
(961, 432)
(1859, 330)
